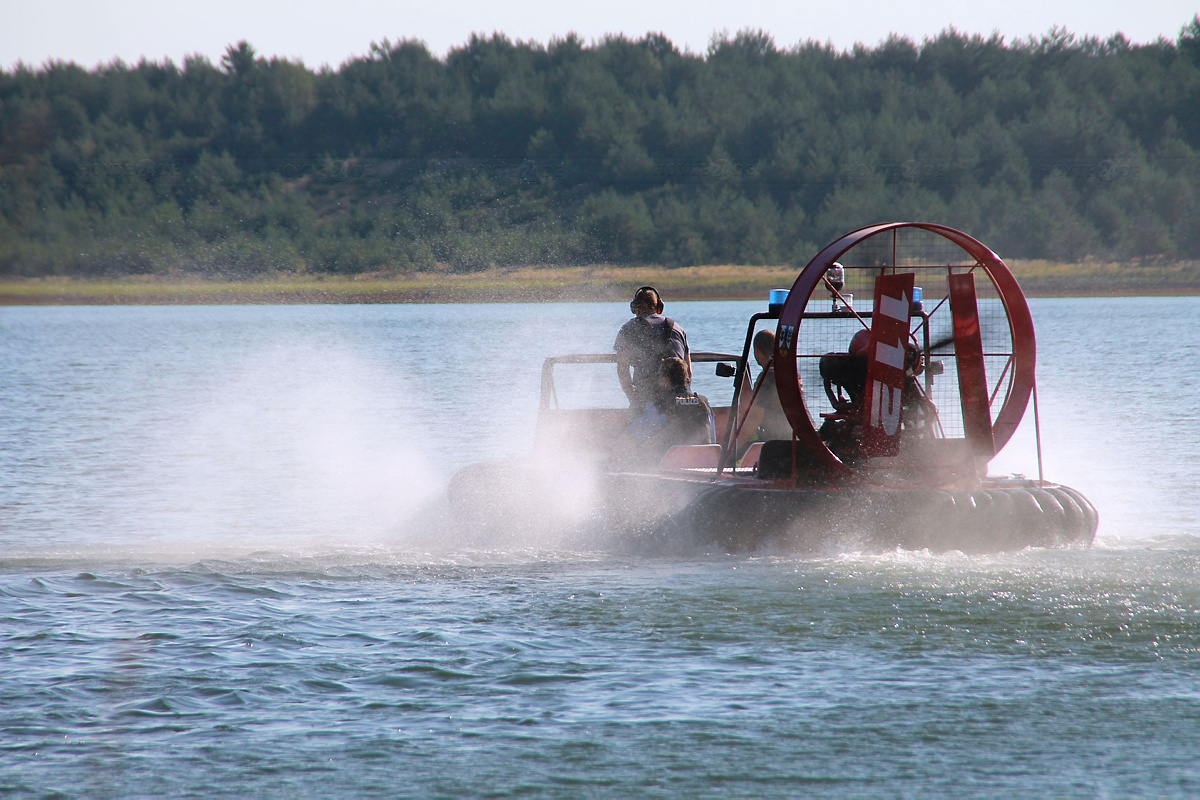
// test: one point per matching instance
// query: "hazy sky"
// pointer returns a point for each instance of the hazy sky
(331, 31)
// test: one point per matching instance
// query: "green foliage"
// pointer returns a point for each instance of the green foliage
(627, 151)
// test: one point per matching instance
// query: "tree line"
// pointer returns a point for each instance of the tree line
(623, 151)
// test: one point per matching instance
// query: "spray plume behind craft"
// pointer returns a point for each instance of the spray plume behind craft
(316, 448)
(177, 434)
(294, 447)
(308, 443)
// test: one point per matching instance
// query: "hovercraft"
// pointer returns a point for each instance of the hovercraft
(896, 407)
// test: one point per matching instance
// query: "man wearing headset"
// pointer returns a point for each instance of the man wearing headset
(642, 343)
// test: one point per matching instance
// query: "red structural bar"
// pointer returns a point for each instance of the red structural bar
(972, 375)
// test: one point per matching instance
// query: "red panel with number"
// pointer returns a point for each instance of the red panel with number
(885, 365)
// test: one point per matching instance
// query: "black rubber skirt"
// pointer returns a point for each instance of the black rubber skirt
(994, 518)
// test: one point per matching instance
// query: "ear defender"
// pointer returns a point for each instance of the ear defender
(658, 303)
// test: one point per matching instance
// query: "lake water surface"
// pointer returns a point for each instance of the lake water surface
(225, 567)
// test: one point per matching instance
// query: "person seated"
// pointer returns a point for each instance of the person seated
(677, 415)
(642, 343)
(845, 376)
(765, 418)
(845, 379)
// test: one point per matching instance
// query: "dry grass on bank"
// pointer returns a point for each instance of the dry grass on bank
(602, 283)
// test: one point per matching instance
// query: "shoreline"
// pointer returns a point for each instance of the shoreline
(551, 284)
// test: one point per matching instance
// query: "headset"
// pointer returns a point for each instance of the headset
(642, 290)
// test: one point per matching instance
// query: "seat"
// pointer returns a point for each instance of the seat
(690, 456)
(749, 459)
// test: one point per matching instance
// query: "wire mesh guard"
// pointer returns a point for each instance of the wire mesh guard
(931, 258)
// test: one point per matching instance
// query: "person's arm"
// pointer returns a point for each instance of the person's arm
(622, 348)
(624, 370)
(677, 343)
